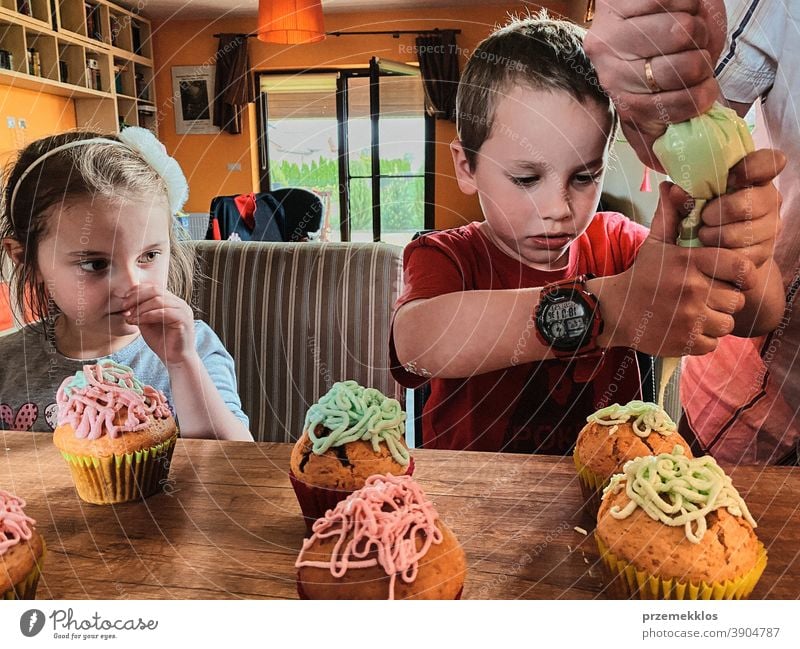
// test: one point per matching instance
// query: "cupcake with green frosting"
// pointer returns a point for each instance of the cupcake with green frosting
(674, 527)
(616, 434)
(350, 434)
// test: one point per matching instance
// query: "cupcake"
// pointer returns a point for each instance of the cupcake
(351, 433)
(385, 541)
(673, 527)
(21, 550)
(116, 434)
(616, 434)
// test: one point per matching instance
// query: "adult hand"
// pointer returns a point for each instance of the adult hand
(673, 301)
(165, 321)
(746, 219)
(678, 40)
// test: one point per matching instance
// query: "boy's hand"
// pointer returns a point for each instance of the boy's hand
(673, 301)
(165, 321)
(747, 218)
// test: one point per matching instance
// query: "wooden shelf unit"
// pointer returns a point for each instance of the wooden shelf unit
(93, 51)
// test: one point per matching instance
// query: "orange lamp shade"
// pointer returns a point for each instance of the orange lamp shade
(290, 22)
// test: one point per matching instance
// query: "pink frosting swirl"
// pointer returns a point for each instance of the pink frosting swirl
(384, 517)
(15, 526)
(90, 400)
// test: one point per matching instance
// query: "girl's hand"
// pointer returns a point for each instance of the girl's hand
(165, 321)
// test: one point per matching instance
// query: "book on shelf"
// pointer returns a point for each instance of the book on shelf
(94, 22)
(136, 37)
(93, 78)
(116, 28)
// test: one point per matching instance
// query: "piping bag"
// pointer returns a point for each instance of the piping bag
(697, 155)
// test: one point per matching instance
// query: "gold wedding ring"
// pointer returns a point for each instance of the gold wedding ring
(652, 84)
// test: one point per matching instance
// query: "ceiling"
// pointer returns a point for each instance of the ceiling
(189, 9)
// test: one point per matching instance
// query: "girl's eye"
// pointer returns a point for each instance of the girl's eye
(524, 181)
(93, 265)
(150, 256)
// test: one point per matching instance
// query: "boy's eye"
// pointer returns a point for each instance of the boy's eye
(586, 179)
(93, 265)
(524, 181)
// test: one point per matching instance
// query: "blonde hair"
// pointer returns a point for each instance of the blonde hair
(100, 169)
(538, 51)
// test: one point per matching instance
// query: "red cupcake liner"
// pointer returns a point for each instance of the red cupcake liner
(302, 594)
(316, 501)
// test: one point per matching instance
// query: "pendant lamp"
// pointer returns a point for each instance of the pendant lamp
(290, 22)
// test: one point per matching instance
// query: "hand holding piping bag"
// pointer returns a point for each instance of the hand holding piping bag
(698, 154)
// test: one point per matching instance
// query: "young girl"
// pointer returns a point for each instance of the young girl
(87, 221)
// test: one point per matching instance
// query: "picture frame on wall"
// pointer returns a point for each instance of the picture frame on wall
(193, 93)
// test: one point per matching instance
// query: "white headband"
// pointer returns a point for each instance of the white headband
(143, 142)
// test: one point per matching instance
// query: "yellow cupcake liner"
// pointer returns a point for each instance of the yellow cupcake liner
(121, 478)
(591, 484)
(26, 589)
(631, 582)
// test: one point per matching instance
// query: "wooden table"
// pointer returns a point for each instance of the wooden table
(230, 526)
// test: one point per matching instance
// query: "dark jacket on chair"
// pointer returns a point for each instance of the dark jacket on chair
(267, 223)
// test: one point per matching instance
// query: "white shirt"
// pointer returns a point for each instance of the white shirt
(743, 399)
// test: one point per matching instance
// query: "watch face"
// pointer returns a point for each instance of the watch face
(564, 321)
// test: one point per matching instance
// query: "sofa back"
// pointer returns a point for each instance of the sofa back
(297, 318)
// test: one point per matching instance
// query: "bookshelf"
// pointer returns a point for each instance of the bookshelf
(95, 52)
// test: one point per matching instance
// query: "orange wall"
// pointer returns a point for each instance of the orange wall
(204, 158)
(45, 115)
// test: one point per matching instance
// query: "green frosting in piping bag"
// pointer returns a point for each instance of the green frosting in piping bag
(698, 154)
(351, 413)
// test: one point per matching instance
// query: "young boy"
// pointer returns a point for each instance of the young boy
(514, 366)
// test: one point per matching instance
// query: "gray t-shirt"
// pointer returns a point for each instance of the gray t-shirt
(31, 369)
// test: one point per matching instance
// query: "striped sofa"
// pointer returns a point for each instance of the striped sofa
(296, 318)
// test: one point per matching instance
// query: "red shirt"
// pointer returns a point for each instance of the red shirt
(534, 407)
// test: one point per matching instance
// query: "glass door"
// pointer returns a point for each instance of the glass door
(299, 129)
(360, 139)
(386, 157)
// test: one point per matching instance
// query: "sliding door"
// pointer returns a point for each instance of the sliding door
(360, 139)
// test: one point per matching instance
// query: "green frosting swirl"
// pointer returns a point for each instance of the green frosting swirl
(698, 154)
(351, 413)
(647, 418)
(676, 490)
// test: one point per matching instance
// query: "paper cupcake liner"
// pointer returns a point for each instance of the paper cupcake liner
(591, 484)
(302, 594)
(630, 582)
(26, 589)
(315, 501)
(121, 478)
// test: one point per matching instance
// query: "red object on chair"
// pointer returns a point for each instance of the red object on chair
(246, 204)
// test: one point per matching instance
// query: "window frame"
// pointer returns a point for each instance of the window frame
(343, 144)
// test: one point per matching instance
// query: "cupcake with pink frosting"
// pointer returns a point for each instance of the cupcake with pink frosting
(21, 550)
(116, 434)
(385, 541)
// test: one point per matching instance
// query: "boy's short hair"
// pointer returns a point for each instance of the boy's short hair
(541, 52)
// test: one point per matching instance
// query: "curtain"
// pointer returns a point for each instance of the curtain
(233, 83)
(437, 53)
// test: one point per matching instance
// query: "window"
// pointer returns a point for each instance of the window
(360, 140)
